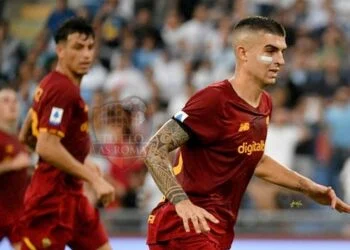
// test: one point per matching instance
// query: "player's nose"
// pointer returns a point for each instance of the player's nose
(280, 60)
(87, 54)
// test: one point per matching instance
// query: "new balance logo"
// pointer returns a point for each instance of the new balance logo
(244, 127)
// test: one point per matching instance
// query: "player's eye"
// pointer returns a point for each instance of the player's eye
(78, 46)
(270, 50)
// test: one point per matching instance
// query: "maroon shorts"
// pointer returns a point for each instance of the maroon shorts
(10, 232)
(166, 231)
(198, 242)
(75, 223)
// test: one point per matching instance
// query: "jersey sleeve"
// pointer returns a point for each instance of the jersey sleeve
(55, 110)
(201, 116)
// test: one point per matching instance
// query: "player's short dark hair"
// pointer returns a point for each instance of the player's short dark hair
(74, 25)
(260, 23)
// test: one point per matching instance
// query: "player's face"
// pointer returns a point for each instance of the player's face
(78, 53)
(266, 58)
(9, 105)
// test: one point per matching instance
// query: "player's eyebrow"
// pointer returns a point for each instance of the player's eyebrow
(274, 48)
(84, 43)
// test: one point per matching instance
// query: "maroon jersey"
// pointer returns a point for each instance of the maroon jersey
(58, 109)
(12, 184)
(227, 140)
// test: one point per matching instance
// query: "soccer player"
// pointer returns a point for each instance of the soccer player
(56, 213)
(221, 133)
(14, 161)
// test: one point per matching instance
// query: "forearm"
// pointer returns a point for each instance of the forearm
(169, 137)
(22, 160)
(5, 167)
(60, 158)
(273, 172)
(25, 135)
(160, 168)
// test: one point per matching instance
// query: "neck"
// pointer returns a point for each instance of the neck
(76, 79)
(247, 87)
(9, 127)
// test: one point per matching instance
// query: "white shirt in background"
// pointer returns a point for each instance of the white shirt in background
(281, 142)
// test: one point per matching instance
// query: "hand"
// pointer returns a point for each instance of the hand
(199, 216)
(22, 160)
(105, 192)
(326, 196)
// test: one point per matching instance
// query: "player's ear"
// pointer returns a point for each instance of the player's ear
(60, 50)
(241, 53)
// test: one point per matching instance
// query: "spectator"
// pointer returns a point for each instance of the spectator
(126, 81)
(93, 81)
(110, 28)
(60, 14)
(195, 34)
(171, 32)
(146, 55)
(143, 28)
(127, 171)
(11, 52)
(169, 74)
(337, 119)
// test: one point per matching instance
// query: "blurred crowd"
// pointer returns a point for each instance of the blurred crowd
(153, 55)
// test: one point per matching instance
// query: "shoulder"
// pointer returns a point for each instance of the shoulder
(58, 85)
(212, 94)
(208, 101)
(58, 82)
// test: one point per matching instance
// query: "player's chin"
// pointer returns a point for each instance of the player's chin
(11, 117)
(82, 71)
(270, 81)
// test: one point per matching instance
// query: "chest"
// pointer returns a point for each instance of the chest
(245, 134)
(80, 118)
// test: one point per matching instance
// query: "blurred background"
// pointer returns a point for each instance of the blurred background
(154, 54)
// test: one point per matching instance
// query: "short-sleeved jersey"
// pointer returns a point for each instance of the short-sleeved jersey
(12, 184)
(227, 140)
(59, 109)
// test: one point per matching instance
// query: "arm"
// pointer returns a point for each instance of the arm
(25, 135)
(168, 138)
(49, 148)
(22, 160)
(271, 171)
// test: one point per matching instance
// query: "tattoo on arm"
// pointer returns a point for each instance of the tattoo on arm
(168, 138)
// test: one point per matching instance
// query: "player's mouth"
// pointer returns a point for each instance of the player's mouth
(274, 72)
(85, 64)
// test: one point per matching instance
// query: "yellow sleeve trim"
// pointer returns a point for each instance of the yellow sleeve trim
(52, 131)
(35, 122)
(177, 169)
(28, 243)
